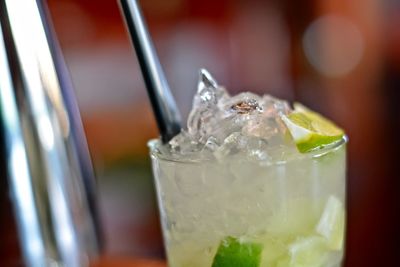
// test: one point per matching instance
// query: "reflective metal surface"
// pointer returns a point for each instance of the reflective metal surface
(49, 168)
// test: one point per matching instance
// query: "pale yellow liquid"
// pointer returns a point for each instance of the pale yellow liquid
(277, 205)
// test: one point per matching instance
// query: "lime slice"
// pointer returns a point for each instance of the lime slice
(331, 223)
(234, 253)
(310, 130)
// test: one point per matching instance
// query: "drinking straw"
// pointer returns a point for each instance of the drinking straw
(165, 110)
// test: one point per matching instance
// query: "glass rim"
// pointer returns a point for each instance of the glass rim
(317, 153)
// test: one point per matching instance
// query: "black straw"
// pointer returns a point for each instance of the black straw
(164, 107)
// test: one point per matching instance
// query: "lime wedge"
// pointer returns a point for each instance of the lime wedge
(234, 253)
(331, 223)
(310, 130)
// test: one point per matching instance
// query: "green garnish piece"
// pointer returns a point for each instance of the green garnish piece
(311, 130)
(233, 252)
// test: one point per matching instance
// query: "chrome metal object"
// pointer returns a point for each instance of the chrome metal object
(49, 169)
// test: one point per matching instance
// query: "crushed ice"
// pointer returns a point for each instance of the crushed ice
(220, 125)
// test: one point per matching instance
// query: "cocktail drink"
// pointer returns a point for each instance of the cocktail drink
(251, 182)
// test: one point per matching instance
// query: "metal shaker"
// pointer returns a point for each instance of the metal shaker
(48, 166)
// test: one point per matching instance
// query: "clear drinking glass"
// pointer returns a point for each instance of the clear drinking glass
(292, 212)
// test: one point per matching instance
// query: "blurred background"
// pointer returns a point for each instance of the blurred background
(339, 57)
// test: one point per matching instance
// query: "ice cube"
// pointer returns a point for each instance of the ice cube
(237, 144)
(257, 128)
(208, 91)
(230, 146)
(308, 251)
(204, 104)
(183, 144)
(220, 128)
(256, 148)
(331, 224)
(275, 107)
(211, 144)
(206, 80)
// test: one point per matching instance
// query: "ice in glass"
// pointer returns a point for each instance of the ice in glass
(251, 182)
